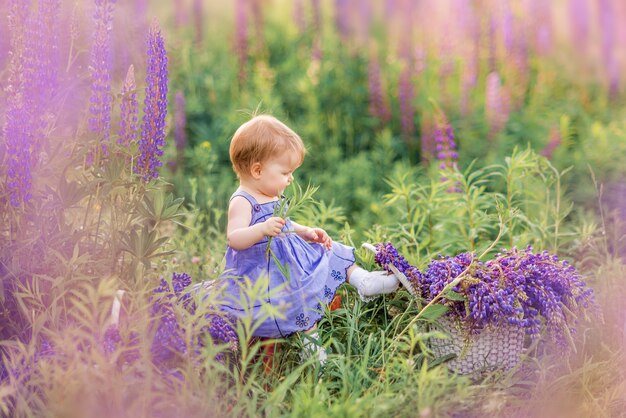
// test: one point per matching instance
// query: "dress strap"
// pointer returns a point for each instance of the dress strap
(245, 195)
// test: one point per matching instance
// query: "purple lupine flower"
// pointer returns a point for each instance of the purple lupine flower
(19, 140)
(168, 339)
(222, 331)
(111, 340)
(180, 126)
(32, 81)
(241, 37)
(445, 146)
(496, 104)
(378, 106)
(387, 254)
(155, 108)
(180, 281)
(129, 109)
(100, 71)
(41, 66)
(17, 131)
(405, 98)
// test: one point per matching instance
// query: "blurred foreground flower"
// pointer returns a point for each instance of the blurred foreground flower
(100, 100)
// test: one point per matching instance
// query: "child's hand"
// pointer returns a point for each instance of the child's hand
(320, 236)
(273, 226)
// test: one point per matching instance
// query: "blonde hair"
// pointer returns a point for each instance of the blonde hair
(259, 139)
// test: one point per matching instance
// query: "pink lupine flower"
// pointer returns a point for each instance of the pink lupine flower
(553, 143)
(129, 108)
(497, 104)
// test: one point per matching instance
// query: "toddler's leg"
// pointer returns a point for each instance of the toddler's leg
(370, 284)
(312, 346)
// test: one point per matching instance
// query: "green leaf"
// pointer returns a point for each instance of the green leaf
(452, 295)
(432, 312)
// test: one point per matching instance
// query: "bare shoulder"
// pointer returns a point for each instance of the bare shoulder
(238, 203)
(239, 211)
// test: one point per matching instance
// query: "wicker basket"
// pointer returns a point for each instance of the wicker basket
(494, 348)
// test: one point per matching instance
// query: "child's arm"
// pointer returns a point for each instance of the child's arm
(313, 234)
(240, 234)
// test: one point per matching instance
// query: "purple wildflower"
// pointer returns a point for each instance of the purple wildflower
(111, 340)
(100, 71)
(19, 141)
(31, 84)
(128, 110)
(445, 147)
(222, 331)
(378, 107)
(168, 338)
(17, 130)
(387, 254)
(155, 108)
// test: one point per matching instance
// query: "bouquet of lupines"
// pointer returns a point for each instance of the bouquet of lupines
(521, 288)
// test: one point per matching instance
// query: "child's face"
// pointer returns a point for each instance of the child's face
(277, 173)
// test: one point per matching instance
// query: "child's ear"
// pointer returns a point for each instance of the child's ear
(255, 170)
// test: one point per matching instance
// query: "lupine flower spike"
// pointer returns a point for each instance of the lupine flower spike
(152, 138)
(100, 100)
